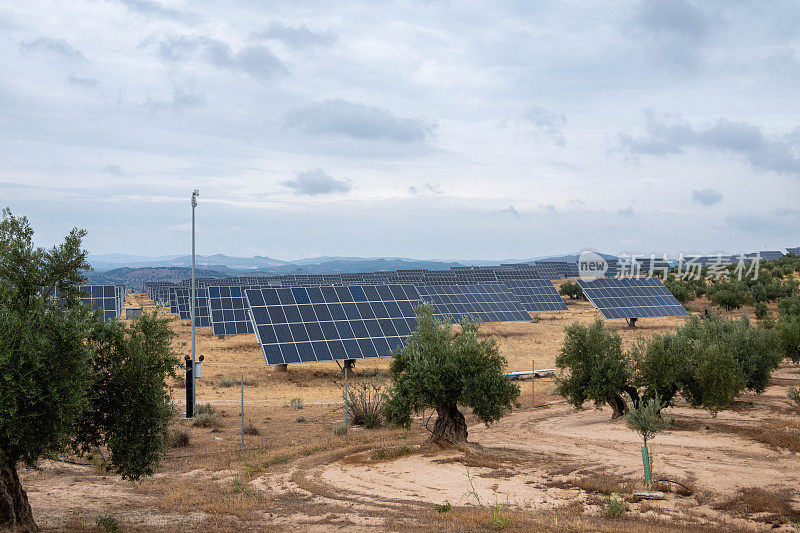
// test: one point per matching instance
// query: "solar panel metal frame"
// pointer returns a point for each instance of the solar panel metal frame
(327, 323)
(626, 297)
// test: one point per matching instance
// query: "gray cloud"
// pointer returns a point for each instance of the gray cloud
(154, 9)
(357, 121)
(82, 82)
(780, 221)
(627, 212)
(428, 188)
(297, 36)
(510, 210)
(314, 182)
(52, 47)
(182, 98)
(777, 154)
(550, 208)
(113, 170)
(257, 60)
(706, 196)
(675, 30)
(546, 123)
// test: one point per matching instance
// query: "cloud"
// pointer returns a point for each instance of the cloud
(258, 60)
(82, 82)
(428, 188)
(706, 196)
(297, 36)
(546, 123)
(674, 30)
(181, 99)
(550, 208)
(510, 210)
(778, 154)
(627, 212)
(314, 182)
(58, 48)
(779, 221)
(154, 9)
(576, 203)
(114, 170)
(357, 121)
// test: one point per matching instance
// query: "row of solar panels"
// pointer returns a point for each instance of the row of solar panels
(107, 299)
(320, 323)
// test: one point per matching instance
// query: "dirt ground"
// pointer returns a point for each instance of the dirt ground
(547, 468)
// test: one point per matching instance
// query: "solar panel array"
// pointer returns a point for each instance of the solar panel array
(332, 323)
(794, 251)
(486, 302)
(631, 297)
(536, 294)
(108, 299)
(202, 314)
(229, 311)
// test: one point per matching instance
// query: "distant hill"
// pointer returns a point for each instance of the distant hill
(135, 277)
(115, 261)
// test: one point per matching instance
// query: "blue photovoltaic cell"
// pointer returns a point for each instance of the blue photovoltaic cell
(229, 311)
(486, 302)
(304, 324)
(536, 294)
(631, 297)
(202, 316)
(103, 298)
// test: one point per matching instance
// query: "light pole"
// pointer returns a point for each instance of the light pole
(195, 194)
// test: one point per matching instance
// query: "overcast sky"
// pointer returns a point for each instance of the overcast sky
(481, 130)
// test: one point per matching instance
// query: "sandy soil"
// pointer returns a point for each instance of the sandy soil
(546, 468)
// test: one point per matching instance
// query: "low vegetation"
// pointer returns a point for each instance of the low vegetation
(571, 289)
(365, 404)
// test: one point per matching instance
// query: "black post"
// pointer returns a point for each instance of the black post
(189, 387)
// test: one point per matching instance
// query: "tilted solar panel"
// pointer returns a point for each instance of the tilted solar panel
(486, 302)
(631, 297)
(794, 250)
(202, 316)
(536, 294)
(103, 298)
(229, 311)
(304, 324)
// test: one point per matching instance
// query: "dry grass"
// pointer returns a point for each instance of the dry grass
(761, 504)
(596, 482)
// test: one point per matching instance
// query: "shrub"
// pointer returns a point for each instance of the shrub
(300, 418)
(108, 523)
(787, 330)
(228, 381)
(443, 508)
(794, 397)
(340, 429)
(205, 416)
(571, 289)
(250, 429)
(178, 438)
(614, 505)
(365, 404)
(789, 306)
(297, 403)
(439, 370)
(761, 310)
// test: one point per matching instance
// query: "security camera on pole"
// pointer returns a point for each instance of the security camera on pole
(190, 398)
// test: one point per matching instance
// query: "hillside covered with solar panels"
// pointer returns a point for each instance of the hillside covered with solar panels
(304, 317)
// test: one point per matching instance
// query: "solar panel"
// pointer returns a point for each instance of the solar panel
(487, 302)
(103, 298)
(229, 311)
(536, 294)
(794, 251)
(767, 255)
(631, 297)
(202, 316)
(304, 324)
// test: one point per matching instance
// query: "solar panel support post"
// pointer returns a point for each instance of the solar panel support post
(632, 322)
(346, 367)
(195, 194)
(189, 387)
(533, 380)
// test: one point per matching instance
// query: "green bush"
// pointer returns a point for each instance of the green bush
(787, 330)
(614, 505)
(365, 403)
(571, 289)
(761, 310)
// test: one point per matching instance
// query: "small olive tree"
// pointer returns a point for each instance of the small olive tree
(648, 420)
(571, 289)
(439, 370)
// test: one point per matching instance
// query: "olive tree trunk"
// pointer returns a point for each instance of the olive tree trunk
(450, 427)
(15, 511)
(618, 406)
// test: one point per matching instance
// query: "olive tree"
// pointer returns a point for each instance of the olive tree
(68, 378)
(709, 362)
(440, 370)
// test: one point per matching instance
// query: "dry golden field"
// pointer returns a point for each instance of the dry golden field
(548, 468)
